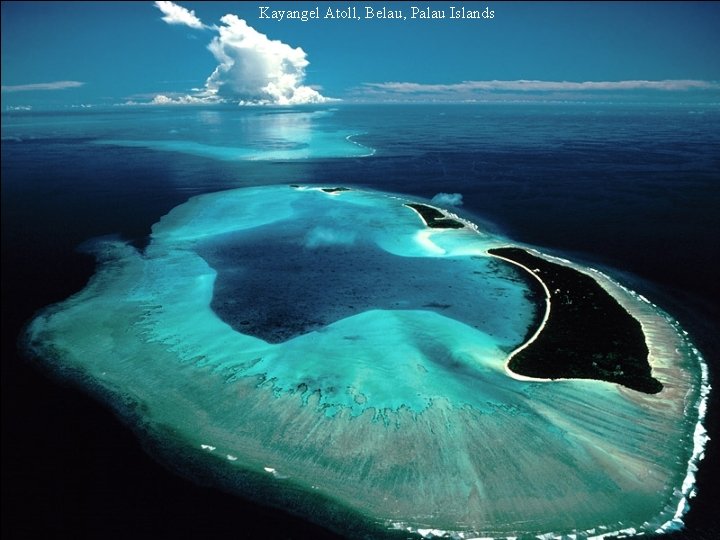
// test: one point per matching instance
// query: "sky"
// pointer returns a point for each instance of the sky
(65, 54)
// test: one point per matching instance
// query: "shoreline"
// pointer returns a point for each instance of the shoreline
(546, 316)
(292, 422)
(591, 336)
(435, 218)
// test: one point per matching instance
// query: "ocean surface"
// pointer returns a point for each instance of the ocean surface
(631, 190)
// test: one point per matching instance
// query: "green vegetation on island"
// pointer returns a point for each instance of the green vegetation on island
(434, 218)
(588, 335)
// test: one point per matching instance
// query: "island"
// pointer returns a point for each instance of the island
(434, 218)
(587, 334)
(329, 353)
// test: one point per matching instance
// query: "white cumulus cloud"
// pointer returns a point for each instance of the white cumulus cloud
(448, 199)
(162, 99)
(324, 236)
(256, 69)
(175, 14)
(252, 68)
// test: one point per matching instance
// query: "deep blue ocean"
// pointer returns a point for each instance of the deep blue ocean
(631, 189)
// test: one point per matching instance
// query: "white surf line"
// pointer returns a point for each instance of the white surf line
(525, 345)
(350, 140)
(634, 307)
(446, 215)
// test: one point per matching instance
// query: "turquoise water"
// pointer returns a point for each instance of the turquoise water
(228, 134)
(451, 313)
(409, 403)
(334, 345)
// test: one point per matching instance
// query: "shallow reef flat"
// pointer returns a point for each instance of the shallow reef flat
(330, 342)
